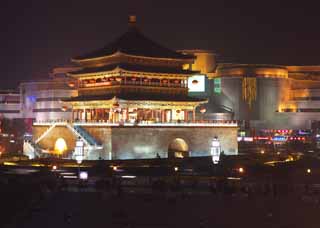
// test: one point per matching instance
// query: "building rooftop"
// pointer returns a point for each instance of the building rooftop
(133, 42)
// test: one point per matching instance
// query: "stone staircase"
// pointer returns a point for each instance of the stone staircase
(31, 149)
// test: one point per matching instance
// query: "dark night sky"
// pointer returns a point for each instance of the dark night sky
(38, 35)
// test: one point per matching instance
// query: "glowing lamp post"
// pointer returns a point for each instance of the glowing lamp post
(202, 111)
(79, 160)
(215, 150)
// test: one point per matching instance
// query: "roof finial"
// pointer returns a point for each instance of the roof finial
(132, 20)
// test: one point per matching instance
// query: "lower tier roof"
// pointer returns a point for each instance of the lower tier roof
(137, 97)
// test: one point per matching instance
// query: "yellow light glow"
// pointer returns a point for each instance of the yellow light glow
(176, 168)
(282, 107)
(60, 146)
(37, 165)
(115, 168)
(249, 90)
(10, 163)
(241, 170)
(308, 170)
(289, 159)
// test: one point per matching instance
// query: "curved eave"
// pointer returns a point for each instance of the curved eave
(119, 53)
(123, 101)
(123, 71)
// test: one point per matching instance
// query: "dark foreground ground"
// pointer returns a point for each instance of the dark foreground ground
(95, 210)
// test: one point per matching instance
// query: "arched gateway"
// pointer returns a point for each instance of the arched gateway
(178, 148)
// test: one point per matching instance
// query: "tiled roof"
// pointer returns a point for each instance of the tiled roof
(133, 42)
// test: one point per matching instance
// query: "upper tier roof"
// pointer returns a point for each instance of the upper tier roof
(133, 42)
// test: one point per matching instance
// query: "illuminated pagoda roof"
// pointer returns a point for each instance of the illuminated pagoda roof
(134, 43)
(135, 70)
(131, 67)
(136, 97)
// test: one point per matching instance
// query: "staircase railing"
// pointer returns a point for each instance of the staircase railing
(84, 135)
(44, 134)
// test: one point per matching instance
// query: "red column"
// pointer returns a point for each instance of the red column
(186, 112)
(194, 115)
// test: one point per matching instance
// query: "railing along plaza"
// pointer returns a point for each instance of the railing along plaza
(213, 123)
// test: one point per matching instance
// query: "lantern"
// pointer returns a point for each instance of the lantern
(118, 79)
(133, 79)
(194, 82)
(71, 84)
(203, 110)
(116, 105)
(165, 81)
(146, 80)
(64, 108)
(111, 79)
(178, 111)
(176, 81)
(92, 81)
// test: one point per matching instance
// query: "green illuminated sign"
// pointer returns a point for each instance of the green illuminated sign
(217, 85)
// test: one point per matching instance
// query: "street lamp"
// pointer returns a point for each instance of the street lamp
(79, 160)
(202, 111)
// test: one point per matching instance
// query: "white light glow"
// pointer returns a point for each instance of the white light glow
(196, 83)
(83, 175)
(128, 177)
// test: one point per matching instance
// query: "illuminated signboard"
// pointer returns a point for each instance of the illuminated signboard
(279, 138)
(217, 85)
(196, 83)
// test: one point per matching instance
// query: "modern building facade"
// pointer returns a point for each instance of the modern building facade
(10, 104)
